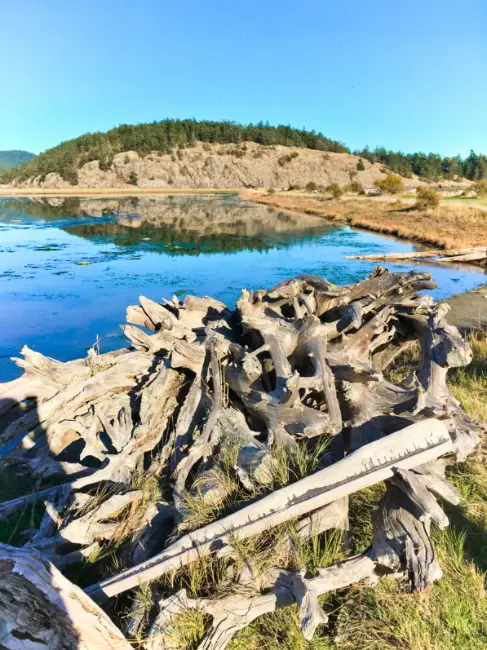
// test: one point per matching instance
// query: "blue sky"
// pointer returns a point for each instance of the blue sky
(410, 75)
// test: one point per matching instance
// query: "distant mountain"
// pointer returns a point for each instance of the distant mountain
(14, 158)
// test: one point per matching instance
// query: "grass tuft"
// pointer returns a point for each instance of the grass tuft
(296, 462)
(207, 577)
(188, 630)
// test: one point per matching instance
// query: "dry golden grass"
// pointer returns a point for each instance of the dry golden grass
(445, 227)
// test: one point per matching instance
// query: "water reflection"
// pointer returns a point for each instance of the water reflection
(69, 267)
(176, 224)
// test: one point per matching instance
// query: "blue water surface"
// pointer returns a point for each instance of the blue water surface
(69, 267)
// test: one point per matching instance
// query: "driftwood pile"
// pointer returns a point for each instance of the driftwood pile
(289, 369)
(476, 255)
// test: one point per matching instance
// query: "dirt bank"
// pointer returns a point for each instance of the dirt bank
(469, 310)
(444, 227)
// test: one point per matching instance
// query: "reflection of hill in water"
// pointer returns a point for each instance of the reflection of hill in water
(182, 224)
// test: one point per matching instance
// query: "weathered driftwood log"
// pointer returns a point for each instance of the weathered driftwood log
(477, 255)
(40, 608)
(265, 415)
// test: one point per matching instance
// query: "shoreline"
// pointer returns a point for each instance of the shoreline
(103, 192)
(468, 310)
(444, 227)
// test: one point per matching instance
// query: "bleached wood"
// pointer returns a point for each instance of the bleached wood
(407, 448)
(41, 609)
(451, 252)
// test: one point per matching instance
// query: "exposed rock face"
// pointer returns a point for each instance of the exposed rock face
(221, 166)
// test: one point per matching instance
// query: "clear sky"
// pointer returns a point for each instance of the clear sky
(407, 75)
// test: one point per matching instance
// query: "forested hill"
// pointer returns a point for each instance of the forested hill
(162, 136)
(14, 158)
(173, 136)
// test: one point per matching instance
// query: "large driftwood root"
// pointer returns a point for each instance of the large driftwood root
(180, 449)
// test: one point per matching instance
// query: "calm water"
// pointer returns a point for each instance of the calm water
(70, 267)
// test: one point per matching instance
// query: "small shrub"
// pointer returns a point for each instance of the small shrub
(326, 156)
(293, 186)
(360, 165)
(287, 159)
(70, 174)
(480, 187)
(335, 189)
(426, 198)
(391, 184)
(311, 186)
(257, 154)
(355, 187)
(105, 163)
(170, 181)
(133, 180)
(271, 190)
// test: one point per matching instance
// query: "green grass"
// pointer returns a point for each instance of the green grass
(188, 631)
(278, 631)
(451, 616)
(468, 200)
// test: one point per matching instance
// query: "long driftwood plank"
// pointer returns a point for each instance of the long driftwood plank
(410, 447)
(476, 254)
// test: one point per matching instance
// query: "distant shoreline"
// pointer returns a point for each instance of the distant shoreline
(103, 192)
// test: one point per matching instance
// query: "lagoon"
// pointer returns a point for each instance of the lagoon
(70, 267)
